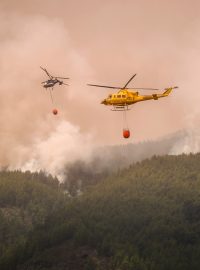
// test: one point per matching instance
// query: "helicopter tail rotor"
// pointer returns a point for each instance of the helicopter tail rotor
(168, 90)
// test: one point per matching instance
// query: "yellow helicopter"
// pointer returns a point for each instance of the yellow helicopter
(124, 97)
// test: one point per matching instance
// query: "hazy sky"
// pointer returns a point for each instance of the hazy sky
(92, 41)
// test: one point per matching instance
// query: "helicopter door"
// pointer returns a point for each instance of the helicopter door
(119, 99)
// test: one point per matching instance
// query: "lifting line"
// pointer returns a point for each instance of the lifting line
(51, 94)
(125, 122)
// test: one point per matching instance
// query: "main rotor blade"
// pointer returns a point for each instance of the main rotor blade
(61, 78)
(51, 77)
(138, 88)
(129, 81)
(104, 86)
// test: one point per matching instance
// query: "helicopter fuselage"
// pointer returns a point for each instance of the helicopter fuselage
(125, 97)
(51, 83)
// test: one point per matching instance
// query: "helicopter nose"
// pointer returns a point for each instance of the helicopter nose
(103, 102)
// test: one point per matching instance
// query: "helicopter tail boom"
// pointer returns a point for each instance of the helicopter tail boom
(164, 94)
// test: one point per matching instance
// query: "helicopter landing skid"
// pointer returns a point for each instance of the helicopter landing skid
(120, 108)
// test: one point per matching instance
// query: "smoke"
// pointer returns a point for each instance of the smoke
(189, 141)
(94, 42)
(63, 145)
(31, 137)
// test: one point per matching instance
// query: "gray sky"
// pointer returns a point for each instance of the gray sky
(92, 41)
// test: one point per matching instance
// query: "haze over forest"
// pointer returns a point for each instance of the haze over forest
(94, 42)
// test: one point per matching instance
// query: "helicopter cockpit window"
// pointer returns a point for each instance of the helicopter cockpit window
(124, 96)
(110, 96)
(119, 96)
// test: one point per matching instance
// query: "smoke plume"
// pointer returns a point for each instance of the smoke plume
(103, 42)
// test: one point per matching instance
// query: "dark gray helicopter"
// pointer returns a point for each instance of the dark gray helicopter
(52, 80)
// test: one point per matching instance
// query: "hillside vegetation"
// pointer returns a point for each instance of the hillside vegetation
(145, 217)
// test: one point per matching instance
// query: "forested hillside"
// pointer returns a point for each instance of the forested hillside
(26, 202)
(145, 217)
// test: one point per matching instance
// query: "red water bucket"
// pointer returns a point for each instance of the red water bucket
(55, 111)
(126, 133)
